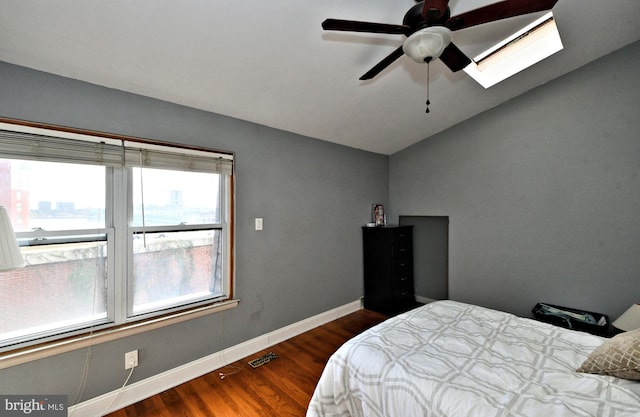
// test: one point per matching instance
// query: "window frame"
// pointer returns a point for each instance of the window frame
(119, 236)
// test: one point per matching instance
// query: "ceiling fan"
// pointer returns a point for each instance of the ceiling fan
(428, 26)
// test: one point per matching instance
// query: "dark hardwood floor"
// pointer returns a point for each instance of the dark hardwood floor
(282, 387)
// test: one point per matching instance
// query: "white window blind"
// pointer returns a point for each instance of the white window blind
(24, 145)
(150, 156)
(110, 152)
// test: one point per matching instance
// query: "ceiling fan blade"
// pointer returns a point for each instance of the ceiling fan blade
(434, 9)
(388, 60)
(369, 27)
(454, 58)
(498, 11)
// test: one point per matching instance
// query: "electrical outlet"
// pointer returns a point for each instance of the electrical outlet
(131, 359)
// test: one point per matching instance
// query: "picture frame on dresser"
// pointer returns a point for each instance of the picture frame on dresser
(378, 217)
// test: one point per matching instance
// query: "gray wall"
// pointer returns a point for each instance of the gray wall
(543, 193)
(314, 197)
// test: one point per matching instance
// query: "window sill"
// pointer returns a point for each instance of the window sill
(17, 357)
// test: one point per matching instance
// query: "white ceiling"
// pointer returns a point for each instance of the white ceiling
(271, 63)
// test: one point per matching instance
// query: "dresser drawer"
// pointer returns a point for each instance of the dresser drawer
(403, 296)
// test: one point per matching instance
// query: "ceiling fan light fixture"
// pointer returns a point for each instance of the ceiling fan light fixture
(427, 44)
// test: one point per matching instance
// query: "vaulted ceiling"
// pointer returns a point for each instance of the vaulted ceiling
(271, 63)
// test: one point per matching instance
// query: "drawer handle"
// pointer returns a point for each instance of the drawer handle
(403, 278)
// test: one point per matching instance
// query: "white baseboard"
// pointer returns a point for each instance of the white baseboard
(140, 390)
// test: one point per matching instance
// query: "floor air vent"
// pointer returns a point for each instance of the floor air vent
(259, 361)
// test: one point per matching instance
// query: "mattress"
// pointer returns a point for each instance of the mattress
(459, 360)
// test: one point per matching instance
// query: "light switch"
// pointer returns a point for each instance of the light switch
(258, 223)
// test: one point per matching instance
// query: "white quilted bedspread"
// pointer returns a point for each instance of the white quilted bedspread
(459, 360)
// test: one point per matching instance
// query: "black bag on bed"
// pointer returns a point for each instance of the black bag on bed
(572, 318)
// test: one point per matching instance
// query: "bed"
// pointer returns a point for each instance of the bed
(458, 360)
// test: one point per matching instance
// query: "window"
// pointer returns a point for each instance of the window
(113, 231)
(528, 46)
(177, 239)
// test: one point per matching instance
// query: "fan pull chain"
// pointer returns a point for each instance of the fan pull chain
(428, 101)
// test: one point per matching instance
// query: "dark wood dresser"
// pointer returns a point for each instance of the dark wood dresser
(388, 269)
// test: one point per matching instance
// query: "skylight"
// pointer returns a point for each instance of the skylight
(530, 45)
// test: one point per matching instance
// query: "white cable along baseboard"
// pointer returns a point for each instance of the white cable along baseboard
(146, 388)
